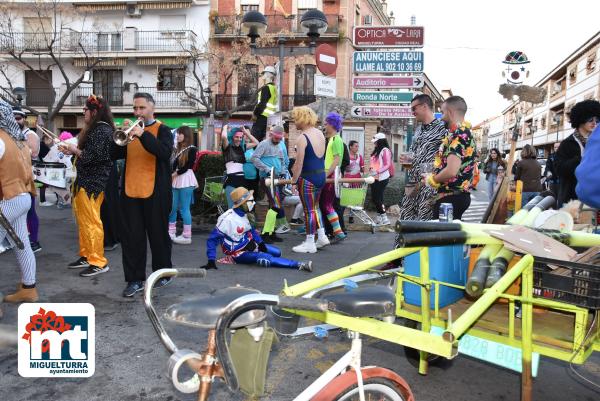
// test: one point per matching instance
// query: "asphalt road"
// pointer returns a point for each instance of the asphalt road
(131, 363)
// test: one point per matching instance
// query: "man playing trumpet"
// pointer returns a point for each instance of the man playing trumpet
(93, 166)
(147, 196)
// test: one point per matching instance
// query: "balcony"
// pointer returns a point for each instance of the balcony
(129, 40)
(170, 98)
(291, 101)
(230, 25)
(240, 102)
(112, 94)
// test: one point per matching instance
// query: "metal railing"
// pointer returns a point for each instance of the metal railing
(276, 23)
(238, 102)
(94, 42)
(170, 98)
(112, 94)
(291, 101)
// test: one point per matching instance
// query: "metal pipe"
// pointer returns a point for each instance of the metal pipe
(471, 315)
(351, 270)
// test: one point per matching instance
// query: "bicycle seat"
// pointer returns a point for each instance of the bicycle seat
(203, 312)
(365, 301)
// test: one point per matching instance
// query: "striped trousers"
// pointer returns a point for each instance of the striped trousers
(15, 210)
(309, 197)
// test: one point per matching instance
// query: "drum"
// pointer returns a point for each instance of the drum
(51, 174)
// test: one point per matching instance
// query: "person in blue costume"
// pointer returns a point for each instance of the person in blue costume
(242, 243)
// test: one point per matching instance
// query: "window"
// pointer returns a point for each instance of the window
(247, 84)
(110, 42)
(249, 7)
(38, 86)
(396, 151)
(109, 85)
(573, 75)
(171, 79)
(305, 84)
(590, 63)
(543, 122)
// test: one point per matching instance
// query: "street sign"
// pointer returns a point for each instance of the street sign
(382, 97)
(326, 58)
(365, 82)
(388, 36)
(381, 112)
(387, 61)
(325, 86)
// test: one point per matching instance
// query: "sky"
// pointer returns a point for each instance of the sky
(466, 41)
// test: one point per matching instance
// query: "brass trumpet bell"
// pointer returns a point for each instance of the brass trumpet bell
(124, 137)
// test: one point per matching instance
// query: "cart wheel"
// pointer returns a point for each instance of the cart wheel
(377, 388)
(413, 355)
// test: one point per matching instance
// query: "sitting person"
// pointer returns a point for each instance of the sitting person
(240, 242)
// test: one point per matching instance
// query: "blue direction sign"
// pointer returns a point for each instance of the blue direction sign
(387, 61)
(382, 97)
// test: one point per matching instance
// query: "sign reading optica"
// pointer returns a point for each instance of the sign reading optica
(382, 97)
(387, 61)
(388, 36)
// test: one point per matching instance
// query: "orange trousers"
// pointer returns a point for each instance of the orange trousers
(91, 230)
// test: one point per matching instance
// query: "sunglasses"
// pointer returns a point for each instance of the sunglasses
(413, 108)
(18, 118)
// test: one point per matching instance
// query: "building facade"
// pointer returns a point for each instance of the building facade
(127, 47)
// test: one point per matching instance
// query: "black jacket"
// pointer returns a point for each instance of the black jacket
(567, 159)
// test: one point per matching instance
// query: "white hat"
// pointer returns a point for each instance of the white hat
(270, 69)
(378, 136)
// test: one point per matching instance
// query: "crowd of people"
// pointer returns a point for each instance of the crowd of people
(133, 193)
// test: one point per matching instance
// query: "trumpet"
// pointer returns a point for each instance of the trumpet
(124, 137)
(51, 135)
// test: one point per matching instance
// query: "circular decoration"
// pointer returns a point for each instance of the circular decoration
(516, 57)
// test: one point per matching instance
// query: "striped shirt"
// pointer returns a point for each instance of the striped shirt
(425, 145)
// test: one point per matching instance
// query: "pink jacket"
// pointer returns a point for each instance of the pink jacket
(380, 165)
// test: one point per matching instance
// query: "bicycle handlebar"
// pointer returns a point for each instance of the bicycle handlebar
(249, 302)
(152, 279)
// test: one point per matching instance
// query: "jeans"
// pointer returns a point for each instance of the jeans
(491, 183)
(527, 196)
(182, 199)
(377, 189)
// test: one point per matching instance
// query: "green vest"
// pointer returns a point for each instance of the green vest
(271, 107)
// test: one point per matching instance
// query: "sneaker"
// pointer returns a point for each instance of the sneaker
(162, 282)
(282, 229)
(81, 262)
(46, 204)
(93, 270)
(305, 266)
(322, 242)
(305, 247)
(111, 247)
(297, 222)
(181, 240)
(36, 247)
(132, 288)
(384, 221)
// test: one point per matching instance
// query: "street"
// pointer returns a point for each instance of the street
(131, 363)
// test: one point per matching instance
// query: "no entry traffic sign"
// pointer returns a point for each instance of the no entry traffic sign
(326, 57)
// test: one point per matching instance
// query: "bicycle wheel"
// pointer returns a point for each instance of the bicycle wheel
(376, 389)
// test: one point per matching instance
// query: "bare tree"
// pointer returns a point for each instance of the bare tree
(49, 44)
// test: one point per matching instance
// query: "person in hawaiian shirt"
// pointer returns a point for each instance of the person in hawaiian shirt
(454, 163)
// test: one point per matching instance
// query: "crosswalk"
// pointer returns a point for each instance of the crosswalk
(475, 212)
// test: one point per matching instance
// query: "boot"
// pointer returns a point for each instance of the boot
(23, 295)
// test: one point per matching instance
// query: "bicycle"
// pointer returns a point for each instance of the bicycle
(239, 308)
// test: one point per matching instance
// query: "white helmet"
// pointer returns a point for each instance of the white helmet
(270, 69)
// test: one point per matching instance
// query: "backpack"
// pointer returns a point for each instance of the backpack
(345, 162)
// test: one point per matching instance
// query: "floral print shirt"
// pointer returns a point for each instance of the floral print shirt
(459, 142)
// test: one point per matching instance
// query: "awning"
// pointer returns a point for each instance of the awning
(182, 61)
(111, 62)
(156, 5)
(171, 122)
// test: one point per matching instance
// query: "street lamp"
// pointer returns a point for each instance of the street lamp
(19, 93)
(313, 23)
(557, 119)
(254, 24)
